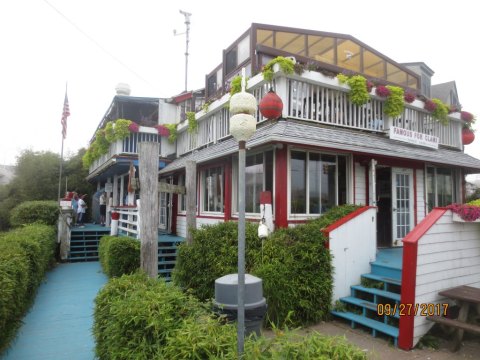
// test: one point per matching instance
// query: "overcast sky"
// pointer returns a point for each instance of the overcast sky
(93, 45)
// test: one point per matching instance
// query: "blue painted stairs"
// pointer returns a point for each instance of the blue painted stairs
(84, 243)
(378, 293)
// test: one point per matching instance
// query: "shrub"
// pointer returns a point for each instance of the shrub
(25, 254)
(135, 314)
(212, 254)
(119, 255)
(38, 243)
(292, 345)
(474, 202)
(28, 212)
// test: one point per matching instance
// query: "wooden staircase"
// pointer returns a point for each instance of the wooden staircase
(372, 303)
(84, 243)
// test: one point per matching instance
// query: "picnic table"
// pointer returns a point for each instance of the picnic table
(466, 297)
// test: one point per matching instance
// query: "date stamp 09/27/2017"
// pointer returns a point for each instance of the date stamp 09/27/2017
(422, 309)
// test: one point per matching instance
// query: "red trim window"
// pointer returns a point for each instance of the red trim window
(212, 190)
(318, 182)
(258, 178)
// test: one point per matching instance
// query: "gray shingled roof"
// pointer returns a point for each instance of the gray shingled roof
(336, 138)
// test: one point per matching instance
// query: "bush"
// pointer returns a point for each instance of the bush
(213, 254)
(292, 345)
(295, 266)
(135, 314)
(137, 317)
(29, 212)
(119, 255)
(474, 202)
(25, 255)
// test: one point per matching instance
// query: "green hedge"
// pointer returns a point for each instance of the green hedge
(29, 212)
(295, 266)
(213, 254)
(119, 255)
(134, 315)
(141, 318)
(25, 255)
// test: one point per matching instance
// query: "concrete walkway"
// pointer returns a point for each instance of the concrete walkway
(59, 324)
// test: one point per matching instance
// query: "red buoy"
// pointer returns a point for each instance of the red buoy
(467, 136)
(271, 105)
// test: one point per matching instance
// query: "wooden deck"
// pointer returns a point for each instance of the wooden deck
(59, 323)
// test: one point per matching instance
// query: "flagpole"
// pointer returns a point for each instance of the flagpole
(65, 114)
(60, 174)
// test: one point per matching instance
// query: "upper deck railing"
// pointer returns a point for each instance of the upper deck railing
(127, 146)
(315, 97)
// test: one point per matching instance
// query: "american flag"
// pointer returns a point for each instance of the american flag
(65, 114)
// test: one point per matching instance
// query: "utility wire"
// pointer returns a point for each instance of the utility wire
(98, 44)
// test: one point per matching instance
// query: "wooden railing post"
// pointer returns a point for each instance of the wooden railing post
(148, 168)
(191, 203)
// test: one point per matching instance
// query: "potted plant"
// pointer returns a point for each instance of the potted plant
(394, 104)
(285, 64)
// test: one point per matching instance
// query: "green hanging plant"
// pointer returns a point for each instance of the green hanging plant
(342, 78)
(236, 84)
(206, 106)
(286, 65)
(358, 94)
(101, 145)
(440, 112)
(394, 104)
(192, 122)
(109, 132)
(172, 128)
(122, 129)
(87, 158)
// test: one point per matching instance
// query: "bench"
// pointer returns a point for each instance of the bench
(471, 328)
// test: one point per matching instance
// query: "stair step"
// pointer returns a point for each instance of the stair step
(384, 279)
(372, 324)
(377, 292)
(386, 270)
(363, 303)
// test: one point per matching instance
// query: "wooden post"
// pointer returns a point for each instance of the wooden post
(148, 168)
(191, 203)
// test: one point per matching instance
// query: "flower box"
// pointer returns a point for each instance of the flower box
(457, 218)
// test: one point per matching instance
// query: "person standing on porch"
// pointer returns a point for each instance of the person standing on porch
(103, 208)
(75, 208)
(82, 207)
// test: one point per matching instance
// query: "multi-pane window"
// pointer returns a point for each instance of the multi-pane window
(182, 207)
(440, 187)
(258, 178)
(318, 182)
(212, 189)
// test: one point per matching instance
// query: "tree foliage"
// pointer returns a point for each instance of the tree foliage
(36, 178)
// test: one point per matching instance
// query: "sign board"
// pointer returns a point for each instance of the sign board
(108, 187)
(170, 188)
(414, 137)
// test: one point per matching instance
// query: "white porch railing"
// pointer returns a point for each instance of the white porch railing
(315, 97)
(129, 145)
(129, 220)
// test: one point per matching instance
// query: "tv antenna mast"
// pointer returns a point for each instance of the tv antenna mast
(187, 33)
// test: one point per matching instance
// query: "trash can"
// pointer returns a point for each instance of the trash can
(226, 301)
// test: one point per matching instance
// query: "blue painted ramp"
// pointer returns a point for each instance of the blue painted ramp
(59, 324)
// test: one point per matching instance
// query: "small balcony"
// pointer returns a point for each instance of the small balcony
(314, 97)
(127, 146)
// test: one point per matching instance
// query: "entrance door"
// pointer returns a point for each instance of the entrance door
(384, 206)
(163, 211)
(402, 204)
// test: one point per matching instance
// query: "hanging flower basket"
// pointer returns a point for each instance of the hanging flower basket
(133, 127)
(382, 91)
(466, 116)
(162, 130)
(409, 97)
(430, 106)
(467, 136)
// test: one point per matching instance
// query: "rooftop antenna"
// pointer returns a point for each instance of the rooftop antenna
(187, 32)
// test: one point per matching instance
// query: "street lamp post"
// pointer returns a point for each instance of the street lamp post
(242, 126)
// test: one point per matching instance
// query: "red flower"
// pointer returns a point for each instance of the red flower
(466, 212)
(466, 116)
(430, 105)
(453, 109)
(409, 97)
(162, 130)
(382, 91)
(133, 127)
